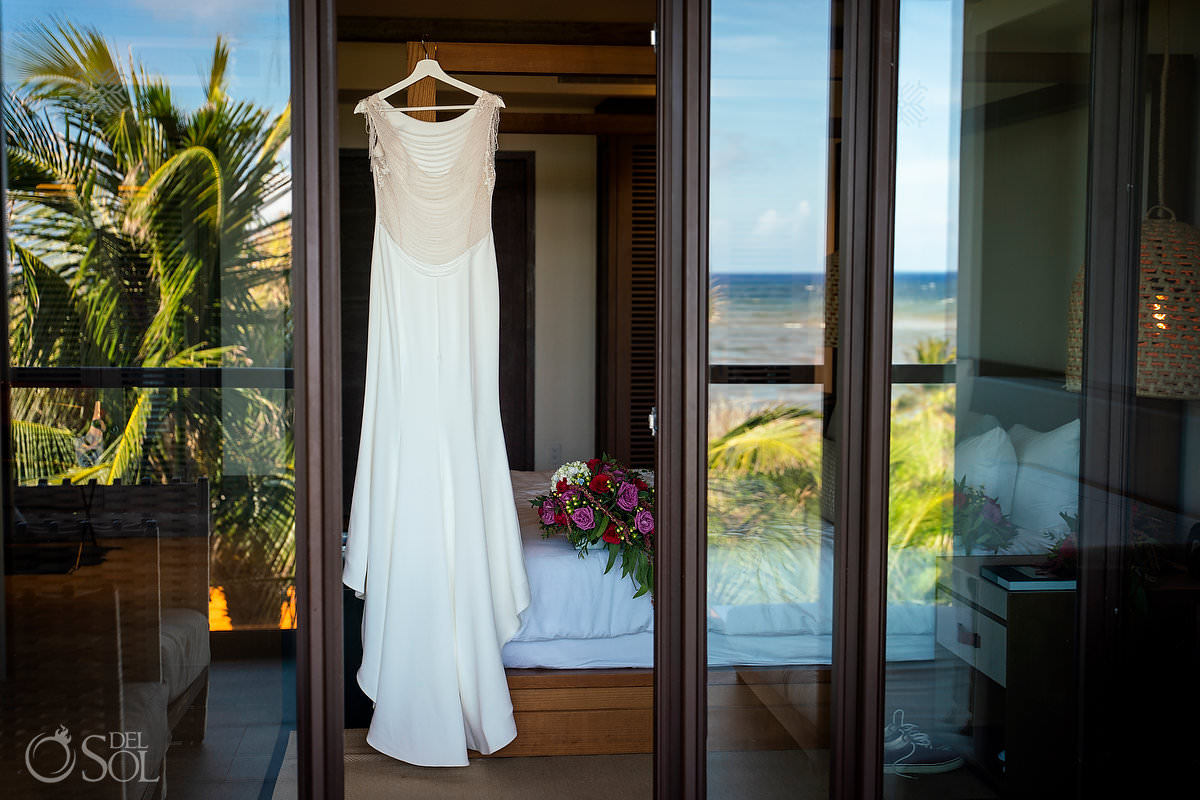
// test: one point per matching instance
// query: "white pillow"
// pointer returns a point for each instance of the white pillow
(1047, 477)
(972, 423)
(1021, 435)
(989, 460)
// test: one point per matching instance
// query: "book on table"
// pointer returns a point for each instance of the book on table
(1025, 578)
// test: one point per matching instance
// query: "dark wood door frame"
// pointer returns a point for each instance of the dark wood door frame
(317, 357)
(1107, 425)
(871, 37)
(680, 700)
(680, 644)
(863, 393)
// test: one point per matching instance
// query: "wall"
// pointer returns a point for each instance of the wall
(565, 291)
(1034, 196)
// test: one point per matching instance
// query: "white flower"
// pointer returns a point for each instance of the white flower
(574, 472)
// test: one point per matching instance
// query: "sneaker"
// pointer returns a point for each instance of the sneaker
(907, 749)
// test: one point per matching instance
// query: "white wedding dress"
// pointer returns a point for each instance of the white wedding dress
(434, 546)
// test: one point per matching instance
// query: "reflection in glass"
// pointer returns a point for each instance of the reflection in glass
(771, 334)
(1159, 646)
(148, 190)
(992, 133)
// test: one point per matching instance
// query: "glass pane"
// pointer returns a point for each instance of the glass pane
(774, 144)
(1160, 641)
(149, 545)
(991, 198)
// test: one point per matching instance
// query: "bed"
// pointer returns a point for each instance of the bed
(582, 659)
(580, 668)
(766, 607)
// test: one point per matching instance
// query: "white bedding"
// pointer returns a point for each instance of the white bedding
(637, 650)
(571, 597)
(764, 609)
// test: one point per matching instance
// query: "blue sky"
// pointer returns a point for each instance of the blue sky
(769, 128)
(770, 110)
(175, 39)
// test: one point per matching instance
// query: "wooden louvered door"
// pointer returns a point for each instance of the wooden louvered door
(626, 341)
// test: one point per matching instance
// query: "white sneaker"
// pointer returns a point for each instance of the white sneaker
(908, 749)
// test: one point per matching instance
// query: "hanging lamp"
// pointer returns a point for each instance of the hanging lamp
(1168, 346)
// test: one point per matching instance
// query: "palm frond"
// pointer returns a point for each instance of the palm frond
(124, 456)
(214, 88)
(771, 441)
(41, 451)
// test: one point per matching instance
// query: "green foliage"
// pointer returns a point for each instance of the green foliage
(979, 522)
(934, 350)
(41, 451)
(145, 234)
(138, 228)
(773, 441)
(765, 520)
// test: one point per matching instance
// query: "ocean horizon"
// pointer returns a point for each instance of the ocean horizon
(779, 318)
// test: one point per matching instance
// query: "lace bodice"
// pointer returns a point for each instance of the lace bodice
(433, 180)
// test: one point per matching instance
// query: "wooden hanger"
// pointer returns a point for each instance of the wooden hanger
(429, 68)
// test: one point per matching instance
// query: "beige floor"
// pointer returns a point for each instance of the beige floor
(373, 776)
(370, 775)
(752, 775)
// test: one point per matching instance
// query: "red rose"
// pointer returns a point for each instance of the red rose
(610, 534)
(641, 484)
(561, 486)
(593, 464)
(560, 518)
(1068, 548)
(600, 483)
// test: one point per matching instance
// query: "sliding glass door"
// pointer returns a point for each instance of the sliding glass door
(150, 546)
(772, 440)
(1041, 491)
(991, 203)
(1004, 209)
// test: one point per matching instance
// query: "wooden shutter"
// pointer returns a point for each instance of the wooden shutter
(626, 336)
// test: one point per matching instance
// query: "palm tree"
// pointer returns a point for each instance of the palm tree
(141, 234)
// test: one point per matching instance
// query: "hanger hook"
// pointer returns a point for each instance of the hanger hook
(426, 47)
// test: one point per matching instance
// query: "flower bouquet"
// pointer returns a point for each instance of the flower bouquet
(1062, 553)
(978, 520)
(604, 504)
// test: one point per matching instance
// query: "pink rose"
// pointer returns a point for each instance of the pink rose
(627, 496)
(584, 518)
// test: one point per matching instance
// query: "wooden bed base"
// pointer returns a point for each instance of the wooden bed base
(610, 711)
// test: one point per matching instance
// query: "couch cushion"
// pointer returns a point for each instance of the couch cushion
(145, 712)
(183, 644)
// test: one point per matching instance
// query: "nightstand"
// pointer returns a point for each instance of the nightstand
(1019, 648)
